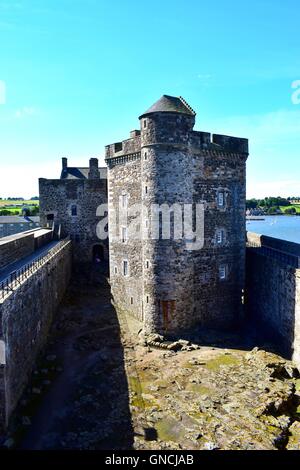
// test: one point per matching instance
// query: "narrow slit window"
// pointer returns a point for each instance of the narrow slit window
(124, 234)
(220, 236)
(221, 199)
(222, 272)
(125, 268)
(124, 201)
(74, 210)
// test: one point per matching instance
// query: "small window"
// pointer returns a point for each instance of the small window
(220, 236)
(124, 201)
(118, 146)
(146, 189)
(144, 123)
(221, 199)
(116, 270)
(125, 268)
(147, 299)
(124, 234)
(147, 264)
(50, 216)
(74, 210)
(131, 300)
(145, 155)
(146, 223)
(222, 272)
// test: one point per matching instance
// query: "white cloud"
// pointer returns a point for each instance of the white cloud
(25, 112)
(2, 92)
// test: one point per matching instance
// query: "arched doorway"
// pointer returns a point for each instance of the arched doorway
(98, 254)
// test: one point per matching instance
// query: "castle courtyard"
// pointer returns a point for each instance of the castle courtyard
(99, 386)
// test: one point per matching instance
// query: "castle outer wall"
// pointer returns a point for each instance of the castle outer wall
(273, 290)
(26, 314)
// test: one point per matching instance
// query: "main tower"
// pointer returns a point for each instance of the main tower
(163, 274)
(167, 185)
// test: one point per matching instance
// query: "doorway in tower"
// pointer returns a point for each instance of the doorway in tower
(98, 254)
(167, 308)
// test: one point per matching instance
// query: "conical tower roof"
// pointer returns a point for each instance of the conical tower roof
(170, 104)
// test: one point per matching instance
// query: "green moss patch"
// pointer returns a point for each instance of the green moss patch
(222, 360)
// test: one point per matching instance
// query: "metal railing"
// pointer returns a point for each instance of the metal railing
(282, 256)
(16, 277)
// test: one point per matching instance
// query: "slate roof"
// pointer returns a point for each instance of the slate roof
(170, 104)
(16, 219)
(80, 173)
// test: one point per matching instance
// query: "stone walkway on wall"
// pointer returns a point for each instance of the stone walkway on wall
(98, 386)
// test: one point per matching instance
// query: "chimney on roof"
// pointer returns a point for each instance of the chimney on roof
(64, 163)
(94, 169)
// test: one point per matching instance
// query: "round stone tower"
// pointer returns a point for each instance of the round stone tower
(167, 185)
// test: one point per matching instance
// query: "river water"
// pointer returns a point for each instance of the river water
(282, 226)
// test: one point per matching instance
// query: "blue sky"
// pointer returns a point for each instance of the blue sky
(78, 73)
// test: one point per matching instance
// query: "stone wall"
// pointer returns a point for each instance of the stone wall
(273, 289)
(15, 247)
(73, 205)
(25, 317)
(127, 291)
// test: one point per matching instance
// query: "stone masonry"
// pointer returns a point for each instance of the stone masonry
(273, 289)
(26, 313)
(168, 283)
(71, 202)
(15, 247)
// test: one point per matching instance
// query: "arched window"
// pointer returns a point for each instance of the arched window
(74, 210)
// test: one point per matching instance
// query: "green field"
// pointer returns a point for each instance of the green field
(15, 206)
(296, 206)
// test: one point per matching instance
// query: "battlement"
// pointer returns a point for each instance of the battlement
(220, 142)
(231, 144)
(125, 147)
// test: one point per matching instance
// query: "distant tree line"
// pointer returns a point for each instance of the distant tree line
(272, 205)
(34, 198)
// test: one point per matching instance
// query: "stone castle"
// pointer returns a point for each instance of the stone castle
(161, 281)
(167, 218)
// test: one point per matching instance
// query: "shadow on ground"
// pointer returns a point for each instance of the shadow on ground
(251, 334)
(85, 404)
